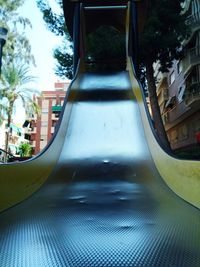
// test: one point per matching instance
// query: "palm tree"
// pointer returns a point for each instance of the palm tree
(14, 86)
(17, 44)
(25, 150)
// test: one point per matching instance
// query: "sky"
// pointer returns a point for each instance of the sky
(42, 42)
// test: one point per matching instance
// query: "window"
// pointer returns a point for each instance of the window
(174, 137)
(171, 102)
(181, 94)
(197, 126)
(45, 103)
(165, 118)
(43, 137)
(44, 123)
(45, 110)
(166, 94)
(183, 132)
(172, 77)
(26, 124)
(54, 102)
(54, 123)
(179, 67)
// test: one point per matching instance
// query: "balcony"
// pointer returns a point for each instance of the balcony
(31, 130)
(27, 131)
(194, 21)
(54, 117)
(192, 58)
(192, 93)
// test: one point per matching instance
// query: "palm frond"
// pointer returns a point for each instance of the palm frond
(14, 84)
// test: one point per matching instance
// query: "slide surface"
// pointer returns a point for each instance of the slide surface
(104, 203)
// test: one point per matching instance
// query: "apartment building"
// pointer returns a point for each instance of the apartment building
(41, 128)
(15, 138)
(179, 90)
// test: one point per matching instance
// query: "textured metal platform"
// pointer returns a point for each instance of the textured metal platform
(104, 204)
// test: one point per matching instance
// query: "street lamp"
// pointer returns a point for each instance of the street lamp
(3, 38)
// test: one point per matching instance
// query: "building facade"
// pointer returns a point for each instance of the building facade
(41, 128)
(15, 135)
(179, 90)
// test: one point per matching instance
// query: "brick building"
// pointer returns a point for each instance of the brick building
(41, 128)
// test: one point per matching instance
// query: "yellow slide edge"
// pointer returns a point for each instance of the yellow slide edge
(20, 180)
(182, 176)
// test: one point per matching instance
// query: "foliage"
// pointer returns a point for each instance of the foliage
(106, 43)
(17, 45)
(105, 47)
(56, 24)
(54, 21)
(163, 34)
(64, 66)
(13, 86)
(14, 81)
(2, 109)
(161, 41)
(25, 150)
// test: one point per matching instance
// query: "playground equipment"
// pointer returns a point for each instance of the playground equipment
(103, 193)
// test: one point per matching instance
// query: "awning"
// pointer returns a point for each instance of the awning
(57, 108)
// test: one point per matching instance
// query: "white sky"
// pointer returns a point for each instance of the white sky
(42, 42)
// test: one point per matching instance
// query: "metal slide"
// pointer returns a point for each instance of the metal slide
(106, 197)
(105, 203)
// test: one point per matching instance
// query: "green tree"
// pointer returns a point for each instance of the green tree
(99, 43)
(25, 150)
(161, 41)
(107, 46)
(64, 65)
(56, 23)
(14, 86)
(17, 44)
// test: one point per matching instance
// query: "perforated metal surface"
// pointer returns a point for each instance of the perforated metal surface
(105, 204)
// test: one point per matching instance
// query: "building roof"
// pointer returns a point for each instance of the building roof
(61, 85)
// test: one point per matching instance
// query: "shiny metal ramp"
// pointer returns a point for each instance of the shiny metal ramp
(105, 203)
